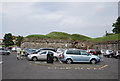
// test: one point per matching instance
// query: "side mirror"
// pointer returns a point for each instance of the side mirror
(39, 53)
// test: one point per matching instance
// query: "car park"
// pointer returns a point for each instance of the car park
(42, 55)
(70, 56)
(4, 51)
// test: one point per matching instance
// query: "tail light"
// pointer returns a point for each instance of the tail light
(63, 56)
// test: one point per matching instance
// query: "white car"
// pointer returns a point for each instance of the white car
(14, 49)
(42, 55)
(117, 54)
(109, 53)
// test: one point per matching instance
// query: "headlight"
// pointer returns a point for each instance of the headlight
(29, 56)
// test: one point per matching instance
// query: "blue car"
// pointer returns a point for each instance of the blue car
(70, 56)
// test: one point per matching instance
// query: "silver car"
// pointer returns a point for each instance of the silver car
(42, 55)
(4, 51)
(70, 56)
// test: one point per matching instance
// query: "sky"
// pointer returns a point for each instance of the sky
(91, 19)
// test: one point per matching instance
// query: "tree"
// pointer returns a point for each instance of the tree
(116, 26)
(19, 40)
(8, 40)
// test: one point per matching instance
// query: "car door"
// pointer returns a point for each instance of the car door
(85, 57)
(42, 55)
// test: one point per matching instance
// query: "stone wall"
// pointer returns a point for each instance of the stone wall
(54, 43)
(110, 45)
(45, 45)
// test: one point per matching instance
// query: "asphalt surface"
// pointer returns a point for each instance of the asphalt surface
(1, 67)
(24, 69)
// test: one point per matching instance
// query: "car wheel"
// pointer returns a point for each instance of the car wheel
(69, 61)
(110, 56)
(118, 57)
(55, 59)
(93, 61)
(8, 53)
(34, 59)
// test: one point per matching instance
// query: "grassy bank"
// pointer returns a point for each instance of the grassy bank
(113, 37)
(66, 36)
(60, 35)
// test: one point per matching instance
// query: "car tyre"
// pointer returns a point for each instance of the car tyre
(8, 53)
(69, 61)
(34, 59)
(93, 61)
(110, 56)
(118, 57)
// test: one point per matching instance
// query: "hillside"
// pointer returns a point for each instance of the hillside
(66, 36)
(60, 35)
(113, 37)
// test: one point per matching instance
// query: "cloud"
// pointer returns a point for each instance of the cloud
(88, 18)
(0, 20)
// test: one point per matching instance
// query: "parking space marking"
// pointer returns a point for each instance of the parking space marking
(78, 68)
(1, 62)
(70, 67)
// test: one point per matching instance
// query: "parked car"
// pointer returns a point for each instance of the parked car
(60, 50)
(14, 49)
(4, 51)
(92, 51)
(109, 53)
(117, 54)
(103, 51)
(70, 56)
(56, 54)
(42, 55)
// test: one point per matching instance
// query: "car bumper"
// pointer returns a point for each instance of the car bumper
(63, 60)
(29, 58)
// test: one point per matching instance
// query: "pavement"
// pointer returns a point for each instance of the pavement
(24, 69)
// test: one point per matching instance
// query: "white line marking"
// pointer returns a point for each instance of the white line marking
(1, 62)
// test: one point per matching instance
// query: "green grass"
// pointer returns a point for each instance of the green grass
(106, 38)
(37, 36)
(59, 35)
(79, 37)
(66, 36)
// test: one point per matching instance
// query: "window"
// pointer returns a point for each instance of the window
(43, 52)
(84, 53)
(50, 52)
(73, 52)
